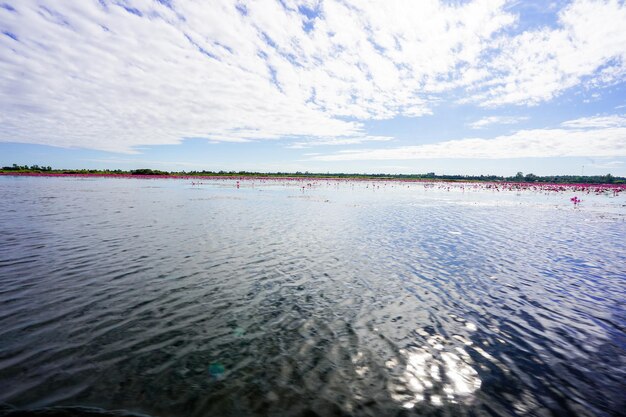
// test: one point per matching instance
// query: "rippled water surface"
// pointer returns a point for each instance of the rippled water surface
(163, 298)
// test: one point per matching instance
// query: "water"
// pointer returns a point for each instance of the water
(163, 298)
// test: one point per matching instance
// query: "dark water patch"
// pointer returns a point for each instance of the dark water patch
(67, 412)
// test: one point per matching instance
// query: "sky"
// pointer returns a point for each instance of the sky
(397, 86)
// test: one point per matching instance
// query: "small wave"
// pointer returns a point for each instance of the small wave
(8, 411)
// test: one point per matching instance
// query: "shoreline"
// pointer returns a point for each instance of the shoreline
(496, 185)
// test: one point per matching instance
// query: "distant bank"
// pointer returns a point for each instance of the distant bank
(36, 170)
(596, 184)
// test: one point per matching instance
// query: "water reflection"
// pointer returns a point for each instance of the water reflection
(433, 373)
(195, 300)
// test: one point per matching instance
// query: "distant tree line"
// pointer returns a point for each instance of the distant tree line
(519, 177)
(564, 179)
(16, 167)
(146, 171)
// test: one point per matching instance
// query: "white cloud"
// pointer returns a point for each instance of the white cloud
(112, 80)
(338, 141)
(118, 75)
(589, 44)
(495, 120)
(588, 141)
(597, 122)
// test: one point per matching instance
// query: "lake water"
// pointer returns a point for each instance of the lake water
(342, 298)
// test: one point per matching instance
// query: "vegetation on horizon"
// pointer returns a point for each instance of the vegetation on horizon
(519, 177)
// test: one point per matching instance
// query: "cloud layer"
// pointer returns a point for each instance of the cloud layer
(589, 137)
(496, 120)
(116, 75)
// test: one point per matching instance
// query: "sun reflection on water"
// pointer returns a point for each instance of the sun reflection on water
(434, 374)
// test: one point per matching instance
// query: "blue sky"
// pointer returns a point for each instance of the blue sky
(468, 87)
